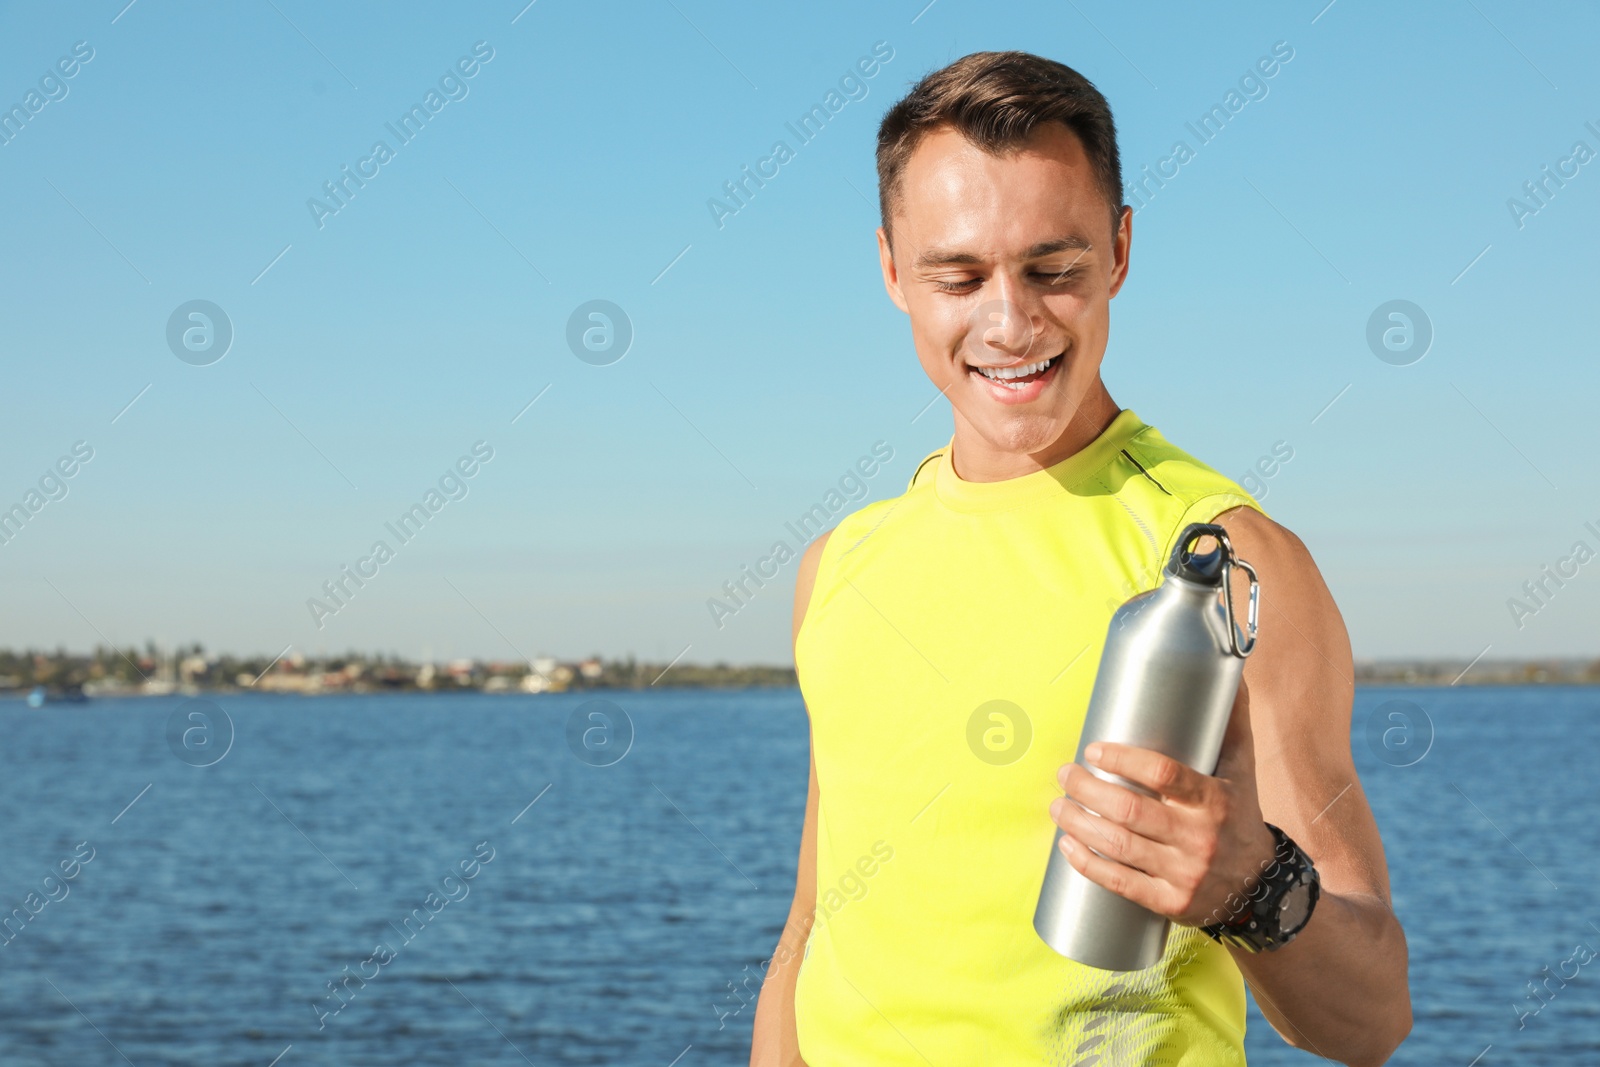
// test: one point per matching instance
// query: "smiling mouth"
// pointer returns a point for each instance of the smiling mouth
(1018, 377)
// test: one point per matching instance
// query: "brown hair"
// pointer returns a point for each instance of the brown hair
(996, 100)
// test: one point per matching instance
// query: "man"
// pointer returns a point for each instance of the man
(946, 643)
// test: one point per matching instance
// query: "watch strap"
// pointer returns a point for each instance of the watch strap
(1255, 920)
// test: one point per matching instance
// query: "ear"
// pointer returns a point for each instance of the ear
(891, 276)
(1121, 247)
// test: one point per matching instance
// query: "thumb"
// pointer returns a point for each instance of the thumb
(1238, 757)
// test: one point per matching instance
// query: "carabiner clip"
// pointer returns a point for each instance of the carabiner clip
(1252, 613)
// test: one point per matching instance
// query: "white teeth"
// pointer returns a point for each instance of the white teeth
(1001, 373)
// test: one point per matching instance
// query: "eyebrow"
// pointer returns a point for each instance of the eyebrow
(936, 257)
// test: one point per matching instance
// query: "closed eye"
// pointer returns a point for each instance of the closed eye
(1044, 277)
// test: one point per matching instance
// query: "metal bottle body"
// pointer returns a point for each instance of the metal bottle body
(1167, 680)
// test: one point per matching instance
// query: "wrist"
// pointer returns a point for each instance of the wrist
(1276, 905)
(1264, 855)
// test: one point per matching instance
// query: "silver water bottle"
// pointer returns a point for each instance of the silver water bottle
(1167, 681)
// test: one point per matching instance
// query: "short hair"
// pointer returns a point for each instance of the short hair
(996, 100)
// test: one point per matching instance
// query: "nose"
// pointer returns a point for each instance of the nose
(1002, 329)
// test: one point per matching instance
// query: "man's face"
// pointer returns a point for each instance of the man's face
(1005, 264)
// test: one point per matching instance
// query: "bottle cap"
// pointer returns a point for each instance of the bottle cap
(1204, 568)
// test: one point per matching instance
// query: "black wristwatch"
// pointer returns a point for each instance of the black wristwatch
(1271, 914)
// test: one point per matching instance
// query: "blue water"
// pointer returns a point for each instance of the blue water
(621, 906)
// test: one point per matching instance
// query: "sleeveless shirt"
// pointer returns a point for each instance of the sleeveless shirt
(946, 659)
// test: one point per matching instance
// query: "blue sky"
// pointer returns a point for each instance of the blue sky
(372, 351)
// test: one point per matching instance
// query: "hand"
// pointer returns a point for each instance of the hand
(1183, 853)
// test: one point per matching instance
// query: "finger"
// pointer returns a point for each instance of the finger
(1238, 756)
(1123, 880)
(1106, 837)
(1136, 812)
(1162, 775)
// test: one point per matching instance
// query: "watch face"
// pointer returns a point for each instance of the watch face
(1295, 908)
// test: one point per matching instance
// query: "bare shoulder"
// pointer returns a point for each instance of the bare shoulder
(806, 578)
(1303, 664)
(1291, 582)
(1265, 539)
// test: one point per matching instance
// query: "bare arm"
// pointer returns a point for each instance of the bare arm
(773, 1043)
(1340, 988)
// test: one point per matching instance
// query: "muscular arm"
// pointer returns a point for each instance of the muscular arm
(1340, 988)
(773, 1043)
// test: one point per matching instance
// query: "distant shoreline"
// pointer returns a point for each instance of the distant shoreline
(62, 677)
(1567, 671)
(13, 696)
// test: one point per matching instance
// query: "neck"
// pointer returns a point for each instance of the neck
(976, 460)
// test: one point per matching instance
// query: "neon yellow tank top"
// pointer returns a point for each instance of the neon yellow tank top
(946, 660)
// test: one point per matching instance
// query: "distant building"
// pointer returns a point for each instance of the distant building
(285, 682)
